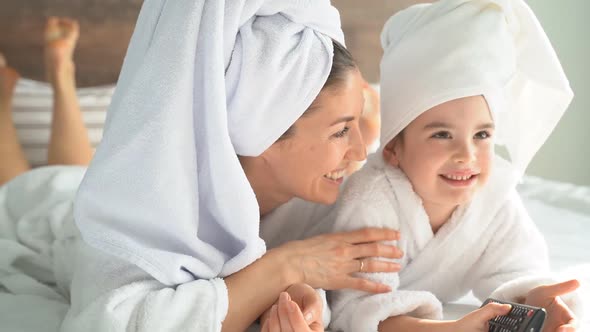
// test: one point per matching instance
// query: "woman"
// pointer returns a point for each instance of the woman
(201, 143)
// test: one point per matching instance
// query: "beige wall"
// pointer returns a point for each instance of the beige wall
(566, 155)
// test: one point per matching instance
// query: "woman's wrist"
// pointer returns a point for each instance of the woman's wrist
(287, 272)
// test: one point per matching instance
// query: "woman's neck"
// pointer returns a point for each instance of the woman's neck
(264, 185)
(438, 214)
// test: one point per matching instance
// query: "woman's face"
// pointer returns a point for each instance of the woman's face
(311, 163)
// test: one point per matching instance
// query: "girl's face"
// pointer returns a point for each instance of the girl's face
(312, 162)
(447, 151)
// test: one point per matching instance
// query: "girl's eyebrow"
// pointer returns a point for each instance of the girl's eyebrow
(488, 125)
(437, 125)
(443, 125)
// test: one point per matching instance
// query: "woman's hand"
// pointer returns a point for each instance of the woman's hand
(299, 308)
(559, 317)
(328, 261)
(477, 321)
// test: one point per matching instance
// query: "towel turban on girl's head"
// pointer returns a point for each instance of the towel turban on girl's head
(434, 53)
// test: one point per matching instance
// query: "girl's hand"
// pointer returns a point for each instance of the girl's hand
(477, 321)
(288, 315)
(559, 316)
(328, 261)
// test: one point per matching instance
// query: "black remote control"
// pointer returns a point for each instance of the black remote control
(521, 318)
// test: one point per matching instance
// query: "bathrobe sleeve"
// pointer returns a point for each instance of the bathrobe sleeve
(108, 294)
(516, 260)
(366, 202)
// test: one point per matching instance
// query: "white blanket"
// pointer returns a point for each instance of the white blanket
(37, 248)
(493, 249)
(44, 265)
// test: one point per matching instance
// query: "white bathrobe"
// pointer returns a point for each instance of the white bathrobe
(489, 246)
(45, 266)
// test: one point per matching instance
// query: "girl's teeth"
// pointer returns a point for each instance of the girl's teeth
(457, 177)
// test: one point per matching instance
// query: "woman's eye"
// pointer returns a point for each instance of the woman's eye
(482, 135)
(342, 132)
(442, 135)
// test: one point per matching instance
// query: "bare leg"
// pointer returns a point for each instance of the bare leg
(13, 158)
(69, 143)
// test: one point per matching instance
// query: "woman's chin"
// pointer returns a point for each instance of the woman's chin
(326, 197)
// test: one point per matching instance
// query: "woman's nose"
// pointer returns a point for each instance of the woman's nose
(357, 149)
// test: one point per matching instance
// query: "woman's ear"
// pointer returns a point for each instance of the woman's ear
(390, 152)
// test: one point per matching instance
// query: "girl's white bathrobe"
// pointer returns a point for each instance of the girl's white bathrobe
(490, 246)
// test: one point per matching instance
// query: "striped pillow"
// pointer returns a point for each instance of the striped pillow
(32, 109)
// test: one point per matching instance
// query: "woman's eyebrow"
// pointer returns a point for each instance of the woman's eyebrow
(344, 119)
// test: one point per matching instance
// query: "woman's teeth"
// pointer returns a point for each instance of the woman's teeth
(335, 175)
(457, 177)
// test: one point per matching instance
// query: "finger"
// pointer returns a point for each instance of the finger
(364, 285)
(375, 249)
(493, 310)
(566, 328)
(296, 320)
(373, 265)
(265, 326)
(312, 306)
(370, 234)
(273, 320)
(316, 327)
(284, 312)
(567, 314)
(559, 289)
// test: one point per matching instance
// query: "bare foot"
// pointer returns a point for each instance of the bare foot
(8, 79)
(61, 36)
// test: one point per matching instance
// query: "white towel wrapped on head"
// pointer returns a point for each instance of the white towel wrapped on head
(202, 82)
(434, 53)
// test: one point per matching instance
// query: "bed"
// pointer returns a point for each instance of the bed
(561, 210)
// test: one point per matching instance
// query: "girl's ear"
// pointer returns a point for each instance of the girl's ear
(390, 152)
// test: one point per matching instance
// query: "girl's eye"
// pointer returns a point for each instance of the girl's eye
(342, 132)
(483, 135)
(442, 135)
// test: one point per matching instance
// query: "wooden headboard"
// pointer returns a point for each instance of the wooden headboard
(107, 25)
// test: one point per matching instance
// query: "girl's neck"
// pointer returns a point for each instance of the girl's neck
(438, 214)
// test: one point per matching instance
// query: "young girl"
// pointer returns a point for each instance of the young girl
(458, 77)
